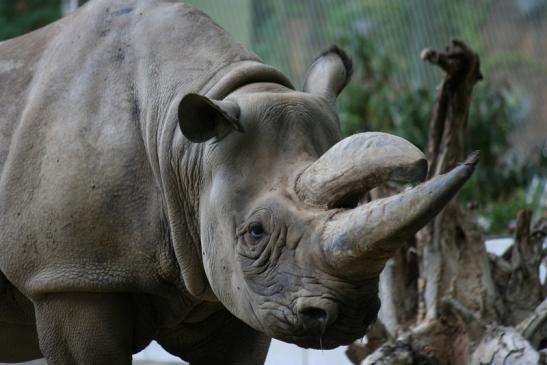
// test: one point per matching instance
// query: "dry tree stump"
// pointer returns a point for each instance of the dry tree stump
(445, 300)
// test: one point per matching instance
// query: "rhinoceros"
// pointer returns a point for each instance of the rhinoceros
(160, 182)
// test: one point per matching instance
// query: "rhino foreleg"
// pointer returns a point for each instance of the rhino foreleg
(85, 328)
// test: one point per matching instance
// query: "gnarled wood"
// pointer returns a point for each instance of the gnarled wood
(467, 300)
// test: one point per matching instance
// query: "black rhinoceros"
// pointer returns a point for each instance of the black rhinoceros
(158, 181)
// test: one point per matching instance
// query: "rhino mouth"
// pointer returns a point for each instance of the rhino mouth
(343, 331)
(335, 314)
(352, 325)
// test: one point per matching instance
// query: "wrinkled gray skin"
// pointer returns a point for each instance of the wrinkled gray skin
(159, 182)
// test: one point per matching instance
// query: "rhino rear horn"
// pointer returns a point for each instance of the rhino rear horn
(329, 74)
(201, 118)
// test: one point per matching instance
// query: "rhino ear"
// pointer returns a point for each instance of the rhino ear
(201, 118)
(329, 74)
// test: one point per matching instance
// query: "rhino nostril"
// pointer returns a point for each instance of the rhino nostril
(314, 319)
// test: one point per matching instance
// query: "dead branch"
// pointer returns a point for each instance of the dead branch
(522, 290)
(451, 250)
(377, 336)
(449, 117)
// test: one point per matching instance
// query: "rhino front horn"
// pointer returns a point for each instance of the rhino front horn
(359, 241)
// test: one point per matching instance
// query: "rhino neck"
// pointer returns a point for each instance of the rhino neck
(180, 183)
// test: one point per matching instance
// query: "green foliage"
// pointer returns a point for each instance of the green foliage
(21, 16)
(493, 116)
(374, 100)
(501, 213)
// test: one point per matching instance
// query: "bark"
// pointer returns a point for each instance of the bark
(445, 300)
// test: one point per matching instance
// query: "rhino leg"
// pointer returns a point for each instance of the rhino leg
(85, 328)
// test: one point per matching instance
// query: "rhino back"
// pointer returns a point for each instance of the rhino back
(18, 58)
(80, 188)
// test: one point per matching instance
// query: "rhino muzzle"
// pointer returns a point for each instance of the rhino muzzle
(359, 241)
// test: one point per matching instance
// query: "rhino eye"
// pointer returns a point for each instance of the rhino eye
(256, 230)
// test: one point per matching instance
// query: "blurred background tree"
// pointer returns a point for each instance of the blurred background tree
(21, 16)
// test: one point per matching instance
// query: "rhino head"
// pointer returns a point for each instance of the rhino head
(288, 243)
